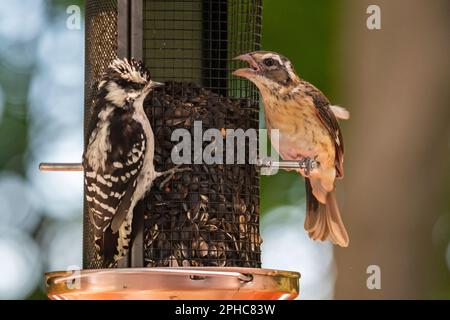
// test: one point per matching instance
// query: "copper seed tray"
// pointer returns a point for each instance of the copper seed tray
(207, 283)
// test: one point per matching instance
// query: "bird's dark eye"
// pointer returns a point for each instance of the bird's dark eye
(269, 62)
(136, 86)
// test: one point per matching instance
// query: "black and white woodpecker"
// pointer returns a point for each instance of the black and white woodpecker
(118, 159)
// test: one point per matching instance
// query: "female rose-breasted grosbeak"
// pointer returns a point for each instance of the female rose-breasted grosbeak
(308, 132)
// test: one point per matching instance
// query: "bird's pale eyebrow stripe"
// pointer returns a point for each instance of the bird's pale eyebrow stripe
(273, 56)
(289, 69)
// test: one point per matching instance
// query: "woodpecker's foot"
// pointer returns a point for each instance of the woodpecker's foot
(308, 164)
(170, 173)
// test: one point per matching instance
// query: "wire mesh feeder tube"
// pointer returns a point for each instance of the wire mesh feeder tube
(208, 216)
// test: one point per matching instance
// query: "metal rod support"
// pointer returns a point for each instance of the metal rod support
(45, 166)
(136, 29)
(282, 164)
(123, 28)
(266, 163)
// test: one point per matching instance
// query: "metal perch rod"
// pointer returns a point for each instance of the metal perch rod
(281, 164)
(47, 166)
(267, 163)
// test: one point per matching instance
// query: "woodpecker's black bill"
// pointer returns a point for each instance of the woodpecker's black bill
(157, 84)
(246, 72)
(151, 85)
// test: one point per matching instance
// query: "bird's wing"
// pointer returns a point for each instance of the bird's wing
(109, 190)
(328, 119)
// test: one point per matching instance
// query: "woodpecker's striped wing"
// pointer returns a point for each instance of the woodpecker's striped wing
(110, 188)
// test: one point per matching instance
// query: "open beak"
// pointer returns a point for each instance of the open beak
(246, 72)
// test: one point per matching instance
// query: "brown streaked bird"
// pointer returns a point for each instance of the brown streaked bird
(308, 132)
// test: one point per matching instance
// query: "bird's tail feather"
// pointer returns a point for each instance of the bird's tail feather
(324, 220)
(106, 247)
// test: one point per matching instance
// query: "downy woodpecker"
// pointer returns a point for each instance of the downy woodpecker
(118, 158)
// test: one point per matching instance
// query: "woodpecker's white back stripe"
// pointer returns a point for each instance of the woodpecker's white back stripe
(103, 181)
(117, 165)
(91, 174)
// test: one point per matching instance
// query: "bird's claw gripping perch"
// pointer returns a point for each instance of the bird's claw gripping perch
(170, 173)
(308, 164)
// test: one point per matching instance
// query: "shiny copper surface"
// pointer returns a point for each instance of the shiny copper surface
(173, 283)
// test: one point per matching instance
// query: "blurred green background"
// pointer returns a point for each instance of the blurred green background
(395, 197)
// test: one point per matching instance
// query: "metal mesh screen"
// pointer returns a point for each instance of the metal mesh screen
(173, 33)
(210, 215)
(100, 50)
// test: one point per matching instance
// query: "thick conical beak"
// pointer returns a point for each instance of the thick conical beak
(246, 72)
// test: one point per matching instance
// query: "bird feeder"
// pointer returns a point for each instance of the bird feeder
(197, 237)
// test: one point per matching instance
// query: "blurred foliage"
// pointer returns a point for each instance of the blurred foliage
(13, 148)
(14, 120)
(63, 4)
(304, 32)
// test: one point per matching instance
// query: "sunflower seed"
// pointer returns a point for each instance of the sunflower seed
(207, 216)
